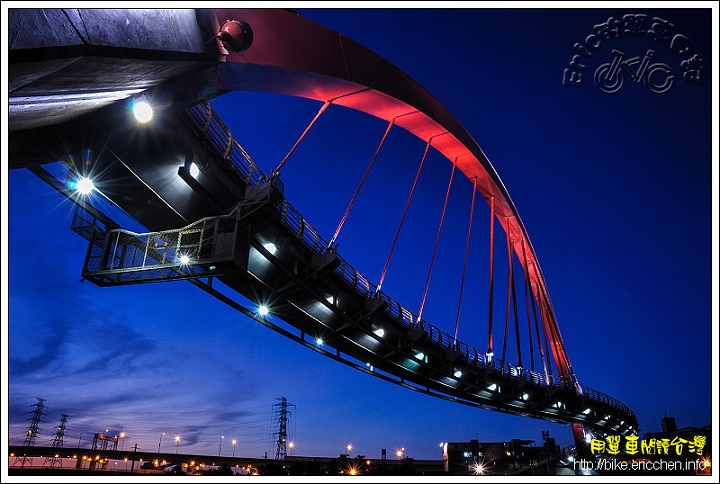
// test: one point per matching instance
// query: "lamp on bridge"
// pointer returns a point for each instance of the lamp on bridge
(234, 441)
(235, 36)
(142, 110)
(177, 439)
(161, 436)
(83, 185)
(220, 446)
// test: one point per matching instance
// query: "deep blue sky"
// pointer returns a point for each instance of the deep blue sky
(617, 192)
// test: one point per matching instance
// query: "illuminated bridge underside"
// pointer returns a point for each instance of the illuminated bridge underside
(313, 290)
(322, 296)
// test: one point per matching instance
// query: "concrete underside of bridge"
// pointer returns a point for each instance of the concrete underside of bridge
(70, 90)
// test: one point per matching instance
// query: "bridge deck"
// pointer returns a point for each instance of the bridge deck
(308, 285)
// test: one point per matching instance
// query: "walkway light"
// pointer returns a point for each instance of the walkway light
(194, 170)
(83, 185)
(270, 247)
(142, 110)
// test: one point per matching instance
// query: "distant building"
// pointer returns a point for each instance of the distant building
(690, 447)
(516, 457)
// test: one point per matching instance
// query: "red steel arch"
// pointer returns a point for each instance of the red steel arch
(294, 56)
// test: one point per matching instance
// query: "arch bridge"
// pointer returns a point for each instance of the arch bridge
(230, 221)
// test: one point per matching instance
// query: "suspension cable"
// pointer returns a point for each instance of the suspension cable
(357, 190)
(538, 335)
(402, 219)
(492, 268)
(437, 239)
(526, 277)
(507, 306)
(515, 309)
(467, 249)
(322, 110)
(544, 317)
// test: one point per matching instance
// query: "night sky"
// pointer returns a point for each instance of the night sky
(617, 192)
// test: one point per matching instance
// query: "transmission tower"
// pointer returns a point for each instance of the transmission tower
(34, 428)
(58, 442)
(281, 411)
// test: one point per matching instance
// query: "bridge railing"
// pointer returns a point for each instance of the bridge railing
(298, 225)
(219, 138)
(211, 129)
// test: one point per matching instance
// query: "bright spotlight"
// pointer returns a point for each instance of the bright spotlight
(263, 310)
(143, 111)
(194, 170)
(84, 186)
(270, 247)
(380, 332)
(184, 260)
(457, 374)
(319, 341)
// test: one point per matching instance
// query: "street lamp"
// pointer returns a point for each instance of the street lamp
(177, 439)
(122, 442)
(234, 441)
(161, 436)
(220, 446)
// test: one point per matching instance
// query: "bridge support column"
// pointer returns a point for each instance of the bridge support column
(581, 446)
